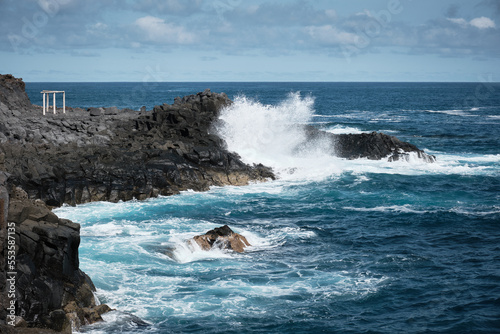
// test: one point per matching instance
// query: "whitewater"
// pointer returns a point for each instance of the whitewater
(338, 246)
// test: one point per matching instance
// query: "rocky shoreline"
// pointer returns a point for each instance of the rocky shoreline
(106, 154)
(111, 155)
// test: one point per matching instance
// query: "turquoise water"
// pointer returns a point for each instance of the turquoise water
(337, 246)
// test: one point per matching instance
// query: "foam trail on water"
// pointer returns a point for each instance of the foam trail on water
(340, 129)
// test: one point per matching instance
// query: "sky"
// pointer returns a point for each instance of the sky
(250, 40)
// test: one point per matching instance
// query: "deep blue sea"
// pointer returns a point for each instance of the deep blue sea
(338, 246)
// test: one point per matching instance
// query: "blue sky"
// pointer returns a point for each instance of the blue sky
(251, 40)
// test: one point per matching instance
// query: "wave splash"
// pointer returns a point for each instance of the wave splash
(274, 136)
(257, 131)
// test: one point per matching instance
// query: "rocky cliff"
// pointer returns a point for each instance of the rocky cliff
(110, 154)
(76, 157)
(50, 290)
(89, 155)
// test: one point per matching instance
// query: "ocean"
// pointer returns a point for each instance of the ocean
(338, 246)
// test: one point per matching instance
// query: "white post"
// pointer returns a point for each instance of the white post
(54, 100)
(64, 102)
(44, 103)
(48, 101)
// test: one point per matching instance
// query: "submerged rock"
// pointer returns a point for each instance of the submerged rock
(222, 237)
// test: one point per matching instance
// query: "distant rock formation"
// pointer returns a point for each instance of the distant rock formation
(222, 237)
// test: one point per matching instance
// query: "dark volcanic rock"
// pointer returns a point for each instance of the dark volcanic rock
(374, 146)
(105, 154)
(51, 291)
(111, 154)
(222, 237)
(12, 94)
(83, 156)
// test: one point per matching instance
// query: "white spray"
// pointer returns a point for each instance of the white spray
(271, 135)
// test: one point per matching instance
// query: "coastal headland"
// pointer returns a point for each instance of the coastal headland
(107, 154)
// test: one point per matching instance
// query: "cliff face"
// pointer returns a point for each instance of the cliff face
(50, 290)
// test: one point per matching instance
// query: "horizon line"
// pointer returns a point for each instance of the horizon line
(221, 81)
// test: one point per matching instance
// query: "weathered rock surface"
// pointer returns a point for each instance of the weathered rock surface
(51, 291)
(222, 237)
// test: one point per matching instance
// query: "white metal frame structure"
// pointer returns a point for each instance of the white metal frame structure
(46, 100)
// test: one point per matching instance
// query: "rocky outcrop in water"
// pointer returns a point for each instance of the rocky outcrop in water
(90, 155)
(223, 238)
(374, 146)
(110, 154)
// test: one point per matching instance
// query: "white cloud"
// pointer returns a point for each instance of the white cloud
(479, 22)
(157, 30)
(252, 9)
(482, 23)
(331, 35)
(460, 22)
